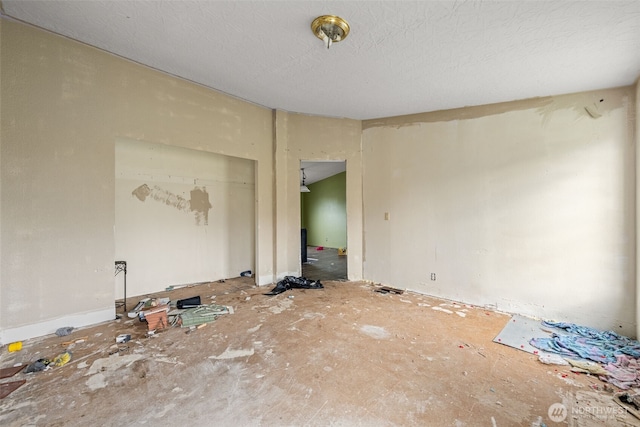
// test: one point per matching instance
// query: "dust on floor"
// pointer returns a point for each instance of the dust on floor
(342, 355)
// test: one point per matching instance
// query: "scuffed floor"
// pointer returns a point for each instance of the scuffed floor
(344, 355)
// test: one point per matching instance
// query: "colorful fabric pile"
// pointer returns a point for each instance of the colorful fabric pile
(618, 354)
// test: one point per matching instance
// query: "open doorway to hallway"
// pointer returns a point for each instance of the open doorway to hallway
(323, 219)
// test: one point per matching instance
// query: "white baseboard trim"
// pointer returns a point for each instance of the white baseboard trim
(47, 327)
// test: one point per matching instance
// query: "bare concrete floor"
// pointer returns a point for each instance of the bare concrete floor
(344, 355)
(325, 264)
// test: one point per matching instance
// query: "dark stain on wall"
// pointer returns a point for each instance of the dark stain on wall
(141, 192)
(200, 205)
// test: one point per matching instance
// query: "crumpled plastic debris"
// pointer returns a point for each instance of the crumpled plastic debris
(37, 366)
(291, 282)
(62, 359)
(630, 400)
(63, 332)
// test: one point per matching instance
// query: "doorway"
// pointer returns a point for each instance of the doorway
(323, 219)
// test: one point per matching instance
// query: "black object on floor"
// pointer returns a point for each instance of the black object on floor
(122, 266)
(303, 245)
(188, 302)
(290, 282)
(389, 289)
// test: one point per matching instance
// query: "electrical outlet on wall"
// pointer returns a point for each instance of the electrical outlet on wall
(433, 276)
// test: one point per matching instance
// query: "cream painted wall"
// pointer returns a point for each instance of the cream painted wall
(527, 206)
(637, 147)
(1, 138)
(182, 216)
(317, 138)
(63, 106)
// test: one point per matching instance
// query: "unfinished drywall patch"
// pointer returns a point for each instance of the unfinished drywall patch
(592, 104)
(456, 113)
(198, 203)
(182, 216)
(161, 195)
(586, 105)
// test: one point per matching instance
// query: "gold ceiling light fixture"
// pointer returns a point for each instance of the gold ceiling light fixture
(330, 29)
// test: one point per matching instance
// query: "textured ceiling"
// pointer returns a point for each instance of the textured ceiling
(400, 57)
(317, 171)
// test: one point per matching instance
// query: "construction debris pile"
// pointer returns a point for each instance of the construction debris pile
(606, 355)
(186, 313)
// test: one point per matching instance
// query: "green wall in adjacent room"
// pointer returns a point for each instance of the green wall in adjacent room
(323, 212)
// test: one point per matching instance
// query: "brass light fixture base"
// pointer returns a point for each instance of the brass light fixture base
(330, 29)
